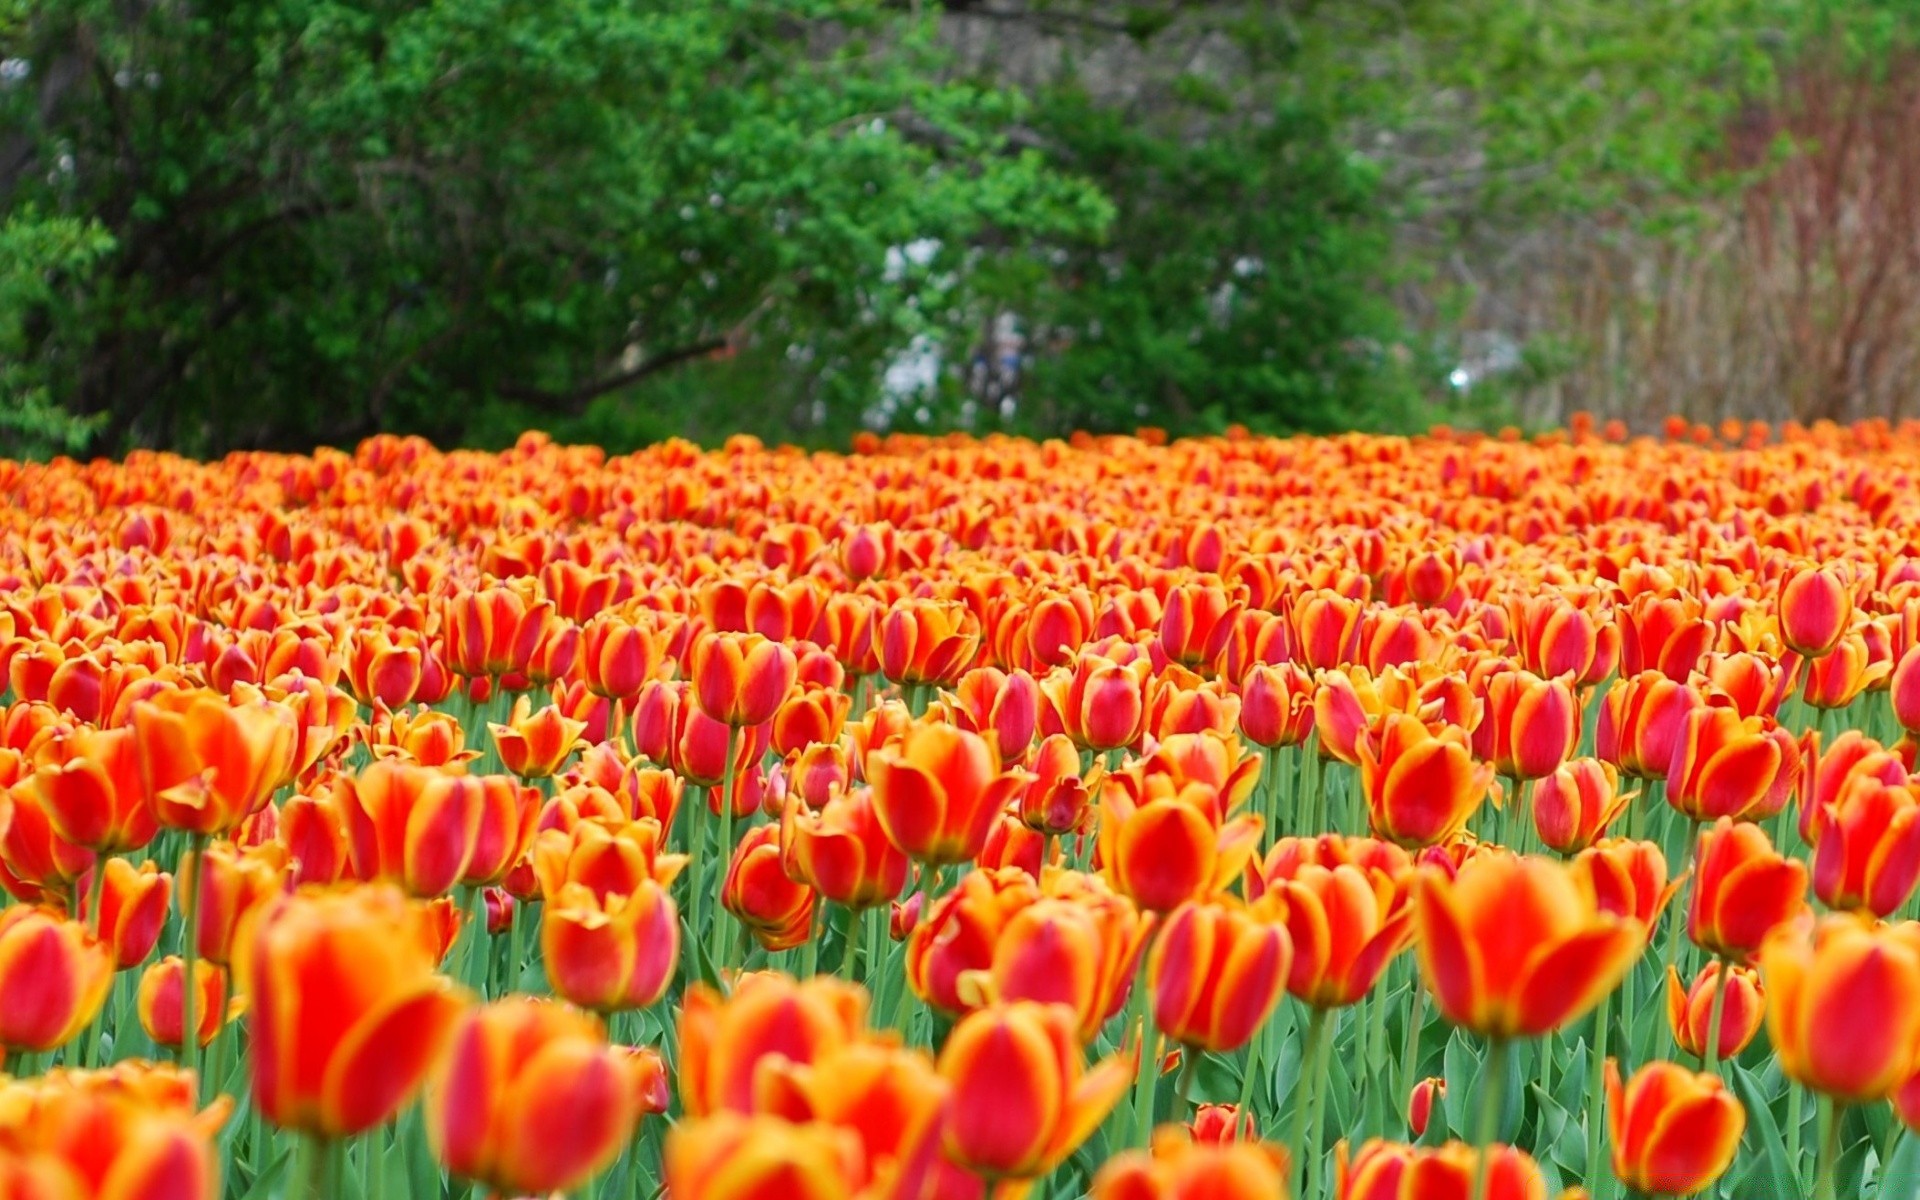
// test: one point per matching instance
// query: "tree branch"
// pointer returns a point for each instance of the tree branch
(575, 400)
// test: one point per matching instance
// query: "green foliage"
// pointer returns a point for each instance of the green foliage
(41, 260)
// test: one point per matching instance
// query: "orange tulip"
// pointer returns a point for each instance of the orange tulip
(925, 642)
(1217, 972)
(1573, 806)
(1743, 891)
(1826, 774)
(610, 857)
(811, 715)
(346, 1012)
(1420, 787)
(1554, 637)
(724, 1039)
(232, 883)
(54, 975)
(842, 852)
(730, 1156)
(530, 1098)
(1420, 1104)
(1022, 1098)
(1289, 854)
(90, 787)
(1196, 623)
(619, 653)
(1516, 947)
(1099, 703)
(207, 765)
(1843, 1005)
(740, 679)
(492, 631)
(1219, 1123)
(1078, 947)
(1001, 706)
(315, 837)
(1724, 766)
(1057, 800)
(1181, 1169)
(126, 1133)
(383, 668)
(408, 824)
(612, 952)
(1326, 626)
(424, 738)
(1868, 856)
(1531, 726)
(1627, 878)
(1172, 844)
(1904, 691)
(937, 791)
(159, 1001)
(1642, 718)
(776, 909)
(1276, 705)
(535, 745)
(1743, 1004)
(36, 863)
(133, 909)
(961, 933)
(1346, 925)
(1814, 606)
(1673, 1132)
(1839, 677)
(1385, 1170)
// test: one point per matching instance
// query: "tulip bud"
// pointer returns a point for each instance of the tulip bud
(54, 975)
(1673, 1132)
(1420, 1103)
(160, 1001)
(1690, 1010)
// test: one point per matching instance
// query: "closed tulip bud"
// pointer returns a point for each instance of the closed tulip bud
(1385, 1170)
(206, 764)
(1531, 725)
(1011, 844)
(38, 864)
(1058, 799)
(1814, 607)
(1905, 691)
(960, 933)
(90, 787)
(610, 953)
(1196, 623)
(1724, 766)
(1001, 706)
(1642, 719)
(810, 716)
(133, 909)
(1172, 844)
(818, 773)
(1080, 952)
(1345, 925)
(925, 642)
(1222, 1123)
(54, 975)
(509, 811)
(610, 857)
(842, 852)
(535, 745)
(1742, 891)
(723, 1039)
(1827, 774)
(1627, 878)
(1420, 1104)
(1182, 1169)
(740, 679)
(531, 1098)
(159, 1001)
(1690, 1010)
(1326, 629)
(381, 669)
(1868, 857)
(347, 1013)
(937, 792)
(1843, 1005)
(1516, 947)
(774, 908)
(1276, 705)
(1839, 677)
(1099, 703)
(500, 906)
(1217, 972)
(620, 653)
(1674, 1133)
(1573, 806)
(1022, 1098)
(315, 837)
(232, 884)
(1420, 787)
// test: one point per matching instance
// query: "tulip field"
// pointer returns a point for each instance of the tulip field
(1356, 818)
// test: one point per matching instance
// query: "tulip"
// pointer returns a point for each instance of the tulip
(1839, 677)
(1843, 1005)
(1196, 623)
(1217, 972)
(1219, 1123)
(1099, 703)
(1001, 706)
(1573, 806)
(1755, 683)
(1627, 878)
(1080, 951)
(1868, 856)
(610, 953)
(160, 1004)
(425, 738)
(405, 823)
(36, 863)
(126, 1133)
(842, 852)
(731, 1156)
(530, 1098)
(345, 1011)
(1420, 1103)
(1325, 628)
(961, 933)
(90, 786)
(610, 857)
(1673, 1132)
(1814, 607)
(1829, 773)
(937, 791)
(740, 679)
(1531, 726)
(1516, 947)
(724, 1039)
(923, 642)
(888, 1096)
(1742, 1003)
(1057, 800)
(1179, 1169)
(492, 631)
(1667, 632)
(1554, 637)
(619, 653)
(1289, 854)
(1642, 719)
(1904, 691)
(811, 716)
(775, 909)
(1724, 766)
(1385, 1170)
(1346, 925)
(1173, 844)
(384, 669)
(1276, 705)
(133, 910)
(1742, 891)
(535, 745)
(231, 883)
(207, 765)
(54, 975)
(315, 837)
(1420, 787)
(1022, 1100)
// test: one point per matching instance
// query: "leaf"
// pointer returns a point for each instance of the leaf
(1772, 1169)
(1900, 1180)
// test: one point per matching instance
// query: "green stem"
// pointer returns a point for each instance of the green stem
(1307, 1098)
(95, 889)
(1486, 1128)
(1677, 912)
(810, 953)
(472, 966)
(1598, 1177)
(1189, 1067)
(516, 935)
(1251, 1073)
(850, 944)
(1140, 1024)
(1824, 1187)
(310, 1173)
(189, 956)
(1410, 1057)
(1716, 1012)
(1795, 1121)
(723, 860)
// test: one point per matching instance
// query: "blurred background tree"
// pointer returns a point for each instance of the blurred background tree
(279, 222)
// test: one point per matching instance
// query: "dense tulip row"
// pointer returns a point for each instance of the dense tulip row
(954, 820)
